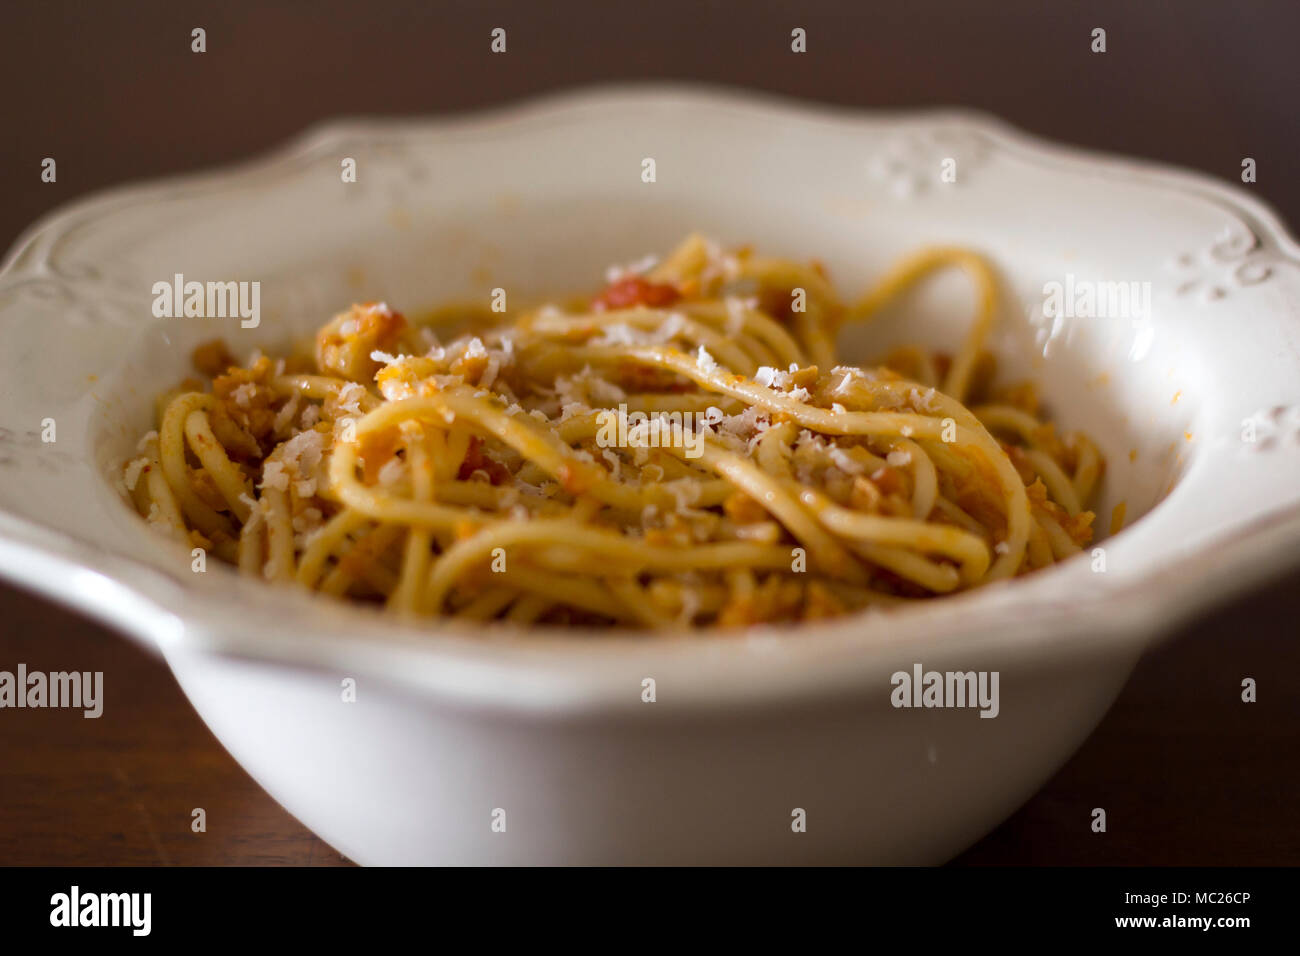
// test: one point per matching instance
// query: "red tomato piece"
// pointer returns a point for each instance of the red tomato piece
(633, 291)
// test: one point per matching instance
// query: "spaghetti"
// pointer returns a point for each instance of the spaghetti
(682, 450)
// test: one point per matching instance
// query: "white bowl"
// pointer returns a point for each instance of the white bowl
(450, 724)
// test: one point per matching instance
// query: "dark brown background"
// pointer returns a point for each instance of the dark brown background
(1188, 774)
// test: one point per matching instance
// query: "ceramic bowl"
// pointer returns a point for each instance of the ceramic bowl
(1192, 393)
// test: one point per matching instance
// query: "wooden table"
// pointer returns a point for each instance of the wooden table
(1188, 774)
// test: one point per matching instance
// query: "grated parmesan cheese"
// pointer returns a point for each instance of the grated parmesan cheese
(274, 476)
(243, 395)
(155, 516)
(391, 473)
(132, 474)
(637, 267)
(615, 463)
(284, 417)
(846, 462)
(350, 396)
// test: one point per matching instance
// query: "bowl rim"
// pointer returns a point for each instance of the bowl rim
(562, 674)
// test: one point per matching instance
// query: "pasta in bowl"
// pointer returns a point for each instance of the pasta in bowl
(453, 718)
(682, 449)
